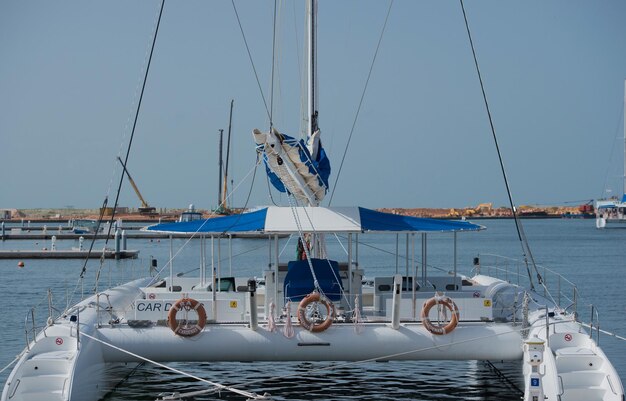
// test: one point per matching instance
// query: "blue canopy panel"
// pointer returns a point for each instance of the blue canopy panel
(624, 198)
(320, 166)
(244, 222)
(315, 219)
(371, 220)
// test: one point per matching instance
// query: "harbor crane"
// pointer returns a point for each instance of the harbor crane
(145, 209)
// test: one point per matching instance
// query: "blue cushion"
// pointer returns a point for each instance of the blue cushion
(299, 280)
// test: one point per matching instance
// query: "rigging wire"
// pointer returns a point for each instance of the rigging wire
(520, 231)
(224, 259)
(322, 246)
(93, 241)
(343, 158)
(608, 167)
(106, 199)
(130, 141)
(213, 214)
(256, 75)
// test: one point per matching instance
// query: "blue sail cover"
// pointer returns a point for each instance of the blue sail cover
(319, 166)
(624, 198)
(318, 219)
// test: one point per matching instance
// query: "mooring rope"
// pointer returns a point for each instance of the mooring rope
(587, 325)
(235, 387)
(288, 330)
(378, 358)
(271, 321)
(12, 362)
(220, 387)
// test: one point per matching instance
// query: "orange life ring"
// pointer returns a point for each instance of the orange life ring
(435, 328)
(309, 325)
(184, 329)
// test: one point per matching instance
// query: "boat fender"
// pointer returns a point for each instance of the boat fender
(183, 329)
(310, 325)
(448, 303)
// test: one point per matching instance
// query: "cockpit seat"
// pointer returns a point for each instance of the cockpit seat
(299, 280)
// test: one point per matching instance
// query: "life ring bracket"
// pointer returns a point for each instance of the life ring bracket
(185, 330)
(309, 324)
(445, 302)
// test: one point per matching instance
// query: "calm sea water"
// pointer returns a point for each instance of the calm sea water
(593, 259)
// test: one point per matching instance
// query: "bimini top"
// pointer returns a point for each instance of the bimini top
(287, 220)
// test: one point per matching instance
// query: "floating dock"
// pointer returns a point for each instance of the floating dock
(68, 254)
(129, 235)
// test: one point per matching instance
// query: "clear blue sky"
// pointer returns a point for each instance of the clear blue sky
(554, 74)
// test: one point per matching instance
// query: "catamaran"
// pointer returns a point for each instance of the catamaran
(612, 212)
(320, 306)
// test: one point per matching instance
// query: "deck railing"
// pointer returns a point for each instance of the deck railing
(33, 326)
(552, 285)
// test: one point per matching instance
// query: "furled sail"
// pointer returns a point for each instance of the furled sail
(293, 166)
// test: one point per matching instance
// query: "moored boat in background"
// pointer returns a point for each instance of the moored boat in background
(612, 212)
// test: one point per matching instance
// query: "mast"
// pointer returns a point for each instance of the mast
(225, 189)
(305, 176)
(219, 174)
(624, 187)
(317, 240)
(312, 112)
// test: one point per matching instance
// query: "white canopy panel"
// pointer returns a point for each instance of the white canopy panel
(313, 219)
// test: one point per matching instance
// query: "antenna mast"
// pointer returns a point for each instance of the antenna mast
(230, 123)
(219, 185)
(624, 187)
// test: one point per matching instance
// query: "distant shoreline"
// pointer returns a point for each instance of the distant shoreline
(482, 212)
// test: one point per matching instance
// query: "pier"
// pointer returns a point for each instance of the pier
(68, 254)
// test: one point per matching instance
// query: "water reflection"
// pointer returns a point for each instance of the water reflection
(401, 380)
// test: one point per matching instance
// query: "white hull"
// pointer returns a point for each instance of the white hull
(62, 365)
(574, 367)
(237, 342)
(602, 222)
